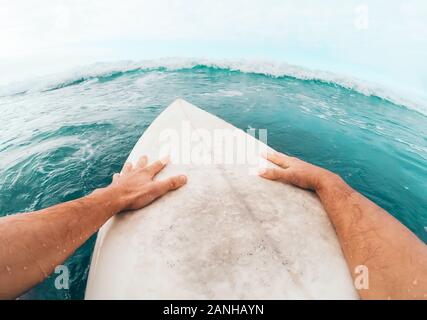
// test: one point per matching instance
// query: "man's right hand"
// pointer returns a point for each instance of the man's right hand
(295, 171)
(369, 236)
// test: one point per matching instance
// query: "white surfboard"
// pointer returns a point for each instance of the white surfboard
(227, 234)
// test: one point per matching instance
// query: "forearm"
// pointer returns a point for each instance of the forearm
(396, 259)
(32, 245)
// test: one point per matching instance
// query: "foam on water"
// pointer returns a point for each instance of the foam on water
(274, 69)
(65, 135)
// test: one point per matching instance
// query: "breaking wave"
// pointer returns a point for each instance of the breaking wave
(111, 70)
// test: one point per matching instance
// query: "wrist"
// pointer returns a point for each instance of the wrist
(112, 197)
(325, 180)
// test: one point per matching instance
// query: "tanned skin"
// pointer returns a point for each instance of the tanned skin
(395, 258)
(33, 244)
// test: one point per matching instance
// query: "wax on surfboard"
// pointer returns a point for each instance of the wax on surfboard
(227, 234)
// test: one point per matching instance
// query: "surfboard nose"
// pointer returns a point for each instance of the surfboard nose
(182, 105)
(177, 103)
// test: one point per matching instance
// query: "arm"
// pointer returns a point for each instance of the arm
(33, 244)
(396, 259)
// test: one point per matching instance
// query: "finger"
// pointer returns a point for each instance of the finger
(157, 166)
(272, 173)
(127, 168)
(115, 177)
(280, 159)
(142, 162)
(163, 186)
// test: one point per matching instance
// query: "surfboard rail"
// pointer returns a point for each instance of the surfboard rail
(227, 234)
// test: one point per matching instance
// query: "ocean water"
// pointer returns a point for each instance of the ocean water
(62, 137)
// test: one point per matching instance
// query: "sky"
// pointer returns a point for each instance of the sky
(376, 40)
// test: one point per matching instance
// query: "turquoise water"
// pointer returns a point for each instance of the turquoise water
(61, 143)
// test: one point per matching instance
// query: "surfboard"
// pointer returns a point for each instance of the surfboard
(227, 234)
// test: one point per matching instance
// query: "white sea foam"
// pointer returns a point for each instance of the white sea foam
(224, 93)
(148, 79)
(247, 66)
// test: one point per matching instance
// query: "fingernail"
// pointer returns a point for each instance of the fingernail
(183, 179)
(264, 154)
(262, 171)
(165, 159)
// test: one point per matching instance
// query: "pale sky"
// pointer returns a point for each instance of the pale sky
(376, 40)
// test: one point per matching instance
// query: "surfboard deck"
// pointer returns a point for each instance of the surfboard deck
(227, 234)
